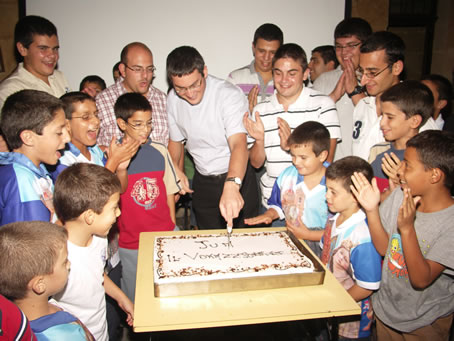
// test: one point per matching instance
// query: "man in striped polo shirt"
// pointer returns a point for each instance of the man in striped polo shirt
(292, 104)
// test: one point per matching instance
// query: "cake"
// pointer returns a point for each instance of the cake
(199, 258)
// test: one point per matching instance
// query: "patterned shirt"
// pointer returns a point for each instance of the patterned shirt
(105, 102)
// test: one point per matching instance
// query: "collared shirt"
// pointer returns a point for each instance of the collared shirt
(247, 77)
(105, 103)
(22, 79)
(207, 125)
(311, 105)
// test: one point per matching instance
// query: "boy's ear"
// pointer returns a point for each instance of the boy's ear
(89, 216)
(441, 104)
(68, 126)
(22, 49)
(27, 137)
(415, 121)
(121, 124)
(323, 156)
(437, 176)
(37, 284)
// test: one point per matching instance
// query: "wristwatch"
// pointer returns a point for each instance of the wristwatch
(358, 90)
(235, 179)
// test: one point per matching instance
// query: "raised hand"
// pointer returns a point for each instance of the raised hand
(255, 129)
(252, 97)
(284, 133)
(407, 212)
(367, 194)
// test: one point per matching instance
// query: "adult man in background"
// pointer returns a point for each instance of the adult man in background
(136, 69)
(342, 84)
(256, 79)
(323, 59)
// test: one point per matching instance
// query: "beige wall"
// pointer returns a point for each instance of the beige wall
(375, 12)
(443, 47)
(9, 15)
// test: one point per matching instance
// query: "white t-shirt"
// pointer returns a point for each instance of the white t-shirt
(84, 294)
(207, 126)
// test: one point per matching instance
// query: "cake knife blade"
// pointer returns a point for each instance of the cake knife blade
(229, 232)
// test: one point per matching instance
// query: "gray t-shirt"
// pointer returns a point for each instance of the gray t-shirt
(397, 303)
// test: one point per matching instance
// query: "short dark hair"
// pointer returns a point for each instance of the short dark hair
(311, 132)
(268, 32)
(328, 54)
(293, 51)
(127, 104)
(92, 79)
(412, 98)
(357, 27)
(28, 249)
(184, 60)
(116, 67)
(343, 169)
(393, 45)
(445, 91)
(30, 25)
(70, 98)
(83, 186)
(435, 149)
(27, 110)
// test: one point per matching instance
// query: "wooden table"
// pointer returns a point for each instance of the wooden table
(236, 308)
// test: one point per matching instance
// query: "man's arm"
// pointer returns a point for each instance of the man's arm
(332, 150)
(231, 201)
(176, 151)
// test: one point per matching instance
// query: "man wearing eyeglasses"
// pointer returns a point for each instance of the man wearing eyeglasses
(381, 62)
(206, 113)
(137, 71)
(342, 84)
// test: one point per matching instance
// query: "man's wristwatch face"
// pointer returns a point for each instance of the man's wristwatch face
(236, 180)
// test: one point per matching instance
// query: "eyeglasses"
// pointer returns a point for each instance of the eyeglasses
(349, 46)
(141, 125)
(87, 117)
(140, 69)
(371, 74)
(195, 86)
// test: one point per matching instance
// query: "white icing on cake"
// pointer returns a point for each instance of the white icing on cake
(189, 258)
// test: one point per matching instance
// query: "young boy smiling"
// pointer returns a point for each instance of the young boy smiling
(86, 201)
(298, 194)
(405, 108)
(347, 244)
(34, 126)
(148, 204)
(413, 230)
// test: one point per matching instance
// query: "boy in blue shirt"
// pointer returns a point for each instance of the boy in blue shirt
(348, 250)
(298, 195)
(34, 266)
(34, 126)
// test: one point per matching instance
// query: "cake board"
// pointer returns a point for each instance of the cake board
(248, 280)
(233, 308)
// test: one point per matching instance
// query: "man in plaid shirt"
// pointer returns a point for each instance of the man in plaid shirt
(136, 70)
